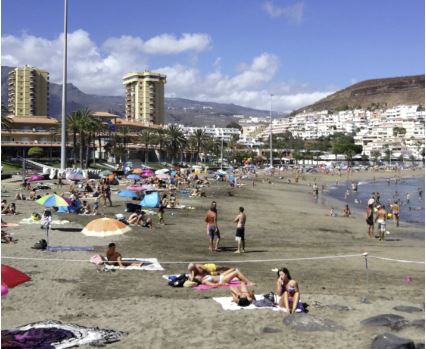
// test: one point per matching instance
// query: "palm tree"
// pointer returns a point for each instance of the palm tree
(200, 137)
(147, 137)
(93, 125)
(232, 145)
(161, 139)
(73, 122)
(175, 140)
(192, 146)
(124, 132)
(84, 121)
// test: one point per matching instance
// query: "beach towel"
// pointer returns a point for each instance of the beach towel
(228, 304)
(55, 334)
(70, 248)
(32, 221)
(152, 264)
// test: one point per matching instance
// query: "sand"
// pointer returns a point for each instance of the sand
(284, 222)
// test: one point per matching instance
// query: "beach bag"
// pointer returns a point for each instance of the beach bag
(270, 297)
(179, 281)
(41, 245)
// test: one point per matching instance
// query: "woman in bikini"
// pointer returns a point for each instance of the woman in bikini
(291, 298)
(221, 279)
(242, 295)
(283, 278)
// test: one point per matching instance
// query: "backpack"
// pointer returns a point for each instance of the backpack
(41, 245)
(179, 281)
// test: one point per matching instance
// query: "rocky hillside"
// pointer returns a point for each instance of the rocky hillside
(371, 93)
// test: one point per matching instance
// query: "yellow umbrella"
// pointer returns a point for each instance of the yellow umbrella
(102, 227)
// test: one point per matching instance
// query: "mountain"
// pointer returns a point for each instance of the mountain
(385, 92)
(178, 110)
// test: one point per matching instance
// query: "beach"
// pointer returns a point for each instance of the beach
(285, 226)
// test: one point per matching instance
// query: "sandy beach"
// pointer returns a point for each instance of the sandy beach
(284, 222)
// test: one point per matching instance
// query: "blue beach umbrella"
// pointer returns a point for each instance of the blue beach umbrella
(128, 194)
(134, 176)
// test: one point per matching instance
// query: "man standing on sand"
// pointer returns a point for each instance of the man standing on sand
(239, 234)
(381, 221)
(212, 229)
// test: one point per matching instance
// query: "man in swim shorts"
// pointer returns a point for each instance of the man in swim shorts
(381, 221)
(212, 229)
(240, 232)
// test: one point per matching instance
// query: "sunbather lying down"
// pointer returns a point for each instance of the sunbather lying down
(242, 295)
(6, 238)
(114, 258)
(221, 279)
(195, 269)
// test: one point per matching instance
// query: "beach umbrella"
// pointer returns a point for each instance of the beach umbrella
(147, 173)
(35, 178)
(163, 176)
(103, 227)
(52, 200)
(134, 177)
(105, 173)
(135, 187)
(128, 194)
(11, 277)
(75, 176)
(164, 170)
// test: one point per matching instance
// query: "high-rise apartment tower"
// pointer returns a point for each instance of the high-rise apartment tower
(144, 97)
(28, 91)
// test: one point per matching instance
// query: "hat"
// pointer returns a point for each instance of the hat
(370, 201)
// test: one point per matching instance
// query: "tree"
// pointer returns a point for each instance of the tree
(200, 136)
(73, 122)
(124, 137)
(234, 124)
(175, 140)
(375, 154)
(192, 146)
(161, 140)
(147, 137)
(35, 152)
(93, 125)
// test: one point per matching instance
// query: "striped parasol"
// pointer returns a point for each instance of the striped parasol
(103, 227)
(52, 200)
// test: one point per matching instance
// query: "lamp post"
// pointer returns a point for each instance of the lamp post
(64, 92)
(270, 131)
(221, 152)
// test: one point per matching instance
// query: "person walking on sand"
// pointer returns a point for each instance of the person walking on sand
(370, 217)
(395, 212)
(381, 221)
(239, 234)
(212, 228)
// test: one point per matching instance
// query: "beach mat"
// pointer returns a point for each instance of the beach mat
(55, 334)
(69, 248)
(152, 264)
(228, 304)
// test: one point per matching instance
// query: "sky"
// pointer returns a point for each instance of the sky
(227, 51)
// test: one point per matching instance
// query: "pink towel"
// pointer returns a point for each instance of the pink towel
(234, 282)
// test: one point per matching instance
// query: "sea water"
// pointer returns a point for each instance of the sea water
(412, 210)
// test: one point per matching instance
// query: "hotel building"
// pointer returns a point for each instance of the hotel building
(28, 91)
(144, 97)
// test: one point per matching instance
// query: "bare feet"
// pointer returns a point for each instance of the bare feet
(237, 251)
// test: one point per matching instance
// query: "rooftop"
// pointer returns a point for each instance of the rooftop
(45, 120)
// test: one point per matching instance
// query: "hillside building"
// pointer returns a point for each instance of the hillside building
(28, 91)
(144, 97)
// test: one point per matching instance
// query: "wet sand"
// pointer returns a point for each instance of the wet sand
(283, 222)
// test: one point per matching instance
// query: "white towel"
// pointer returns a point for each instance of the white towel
(228, 304)
(153, 266)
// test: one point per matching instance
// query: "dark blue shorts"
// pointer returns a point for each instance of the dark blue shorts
(214, 232)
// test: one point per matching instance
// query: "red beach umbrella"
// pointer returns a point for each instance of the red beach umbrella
(12, 277)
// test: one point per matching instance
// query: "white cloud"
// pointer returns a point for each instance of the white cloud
(292, 13)
(98, 69)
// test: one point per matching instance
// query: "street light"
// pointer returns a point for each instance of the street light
(270, 130)
(64, 92)
(221, 152)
